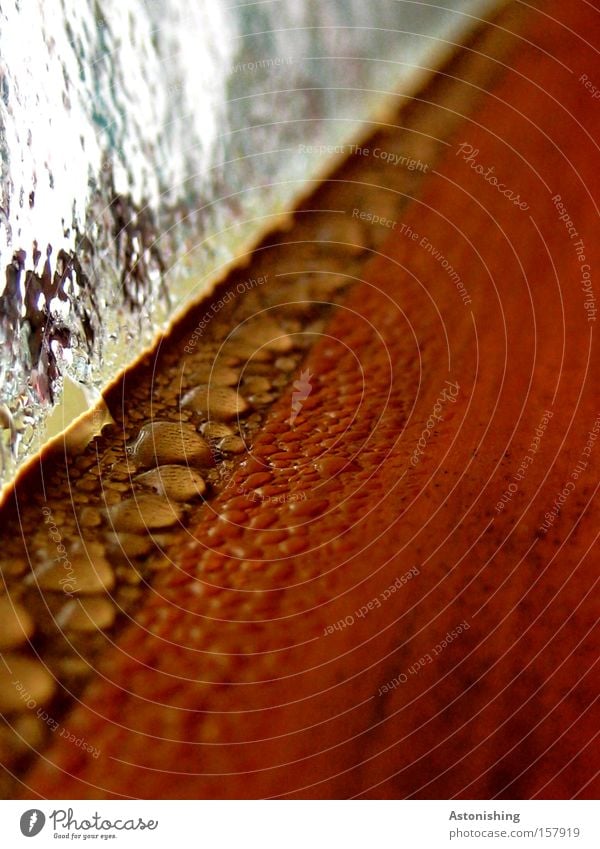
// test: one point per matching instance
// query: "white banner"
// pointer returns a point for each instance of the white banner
(301, 824)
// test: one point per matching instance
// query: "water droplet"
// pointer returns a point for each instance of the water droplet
(27, 732)
(243, 351)
(215, 402)
(215, 430)
(13, 567)
(214, 373)
(16, 625)
(232, 445)
(257, 479)
(261, 399)
(308, 506)
(179, 483)
(73, 667)
(86, 614)
(330, 466)
(264, 333)
(82, 570)
(143, 513)
(22, 681)
(128, 545)
(285, 363)
(170, 442)
(90, 517)
(257, 385)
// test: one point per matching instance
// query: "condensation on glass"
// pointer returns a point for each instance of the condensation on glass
(145, 143)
